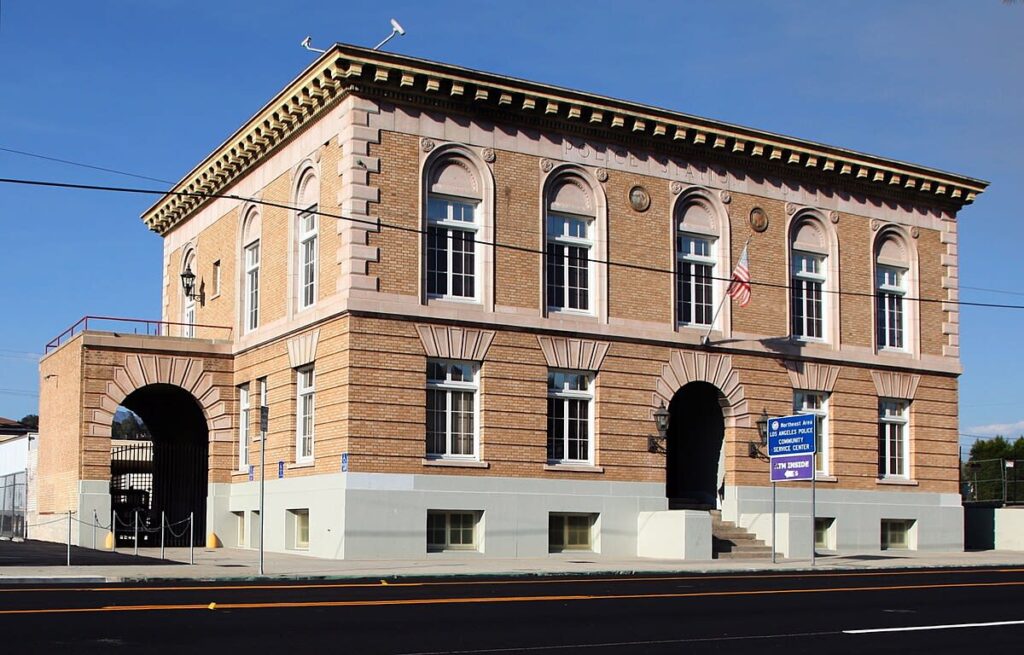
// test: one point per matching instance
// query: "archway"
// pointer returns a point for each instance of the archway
(173, 464)
(696, 434)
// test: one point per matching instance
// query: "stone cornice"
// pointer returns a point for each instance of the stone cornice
(402, 79)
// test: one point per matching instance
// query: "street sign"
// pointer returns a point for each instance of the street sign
(280, 469)
(251, 471)
(792, 468)
(791, 435)
(264, 419)
(344, 462)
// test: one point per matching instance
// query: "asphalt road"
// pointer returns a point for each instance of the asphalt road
(903, 611)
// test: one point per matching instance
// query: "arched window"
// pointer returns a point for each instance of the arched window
(809, 302)
(188, 299)
(696, 245)
(892, 282)
(453, 220)
(250, 268)
(307, 238)
(570, 219)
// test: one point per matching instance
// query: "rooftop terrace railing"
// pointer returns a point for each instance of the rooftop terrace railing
(133, 326)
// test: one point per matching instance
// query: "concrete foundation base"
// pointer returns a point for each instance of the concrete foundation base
(674, 534)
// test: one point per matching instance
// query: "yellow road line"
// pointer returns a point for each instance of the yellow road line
(501, 599)
(518, 581)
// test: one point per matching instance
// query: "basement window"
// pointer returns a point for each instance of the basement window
(824, 533)
(571, 532)
(452, 530)
(897, 534)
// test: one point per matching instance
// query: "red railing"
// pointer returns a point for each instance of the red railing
(133, 325)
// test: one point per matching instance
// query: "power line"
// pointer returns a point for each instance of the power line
(81, 165)
(378, 224)
(19, 392)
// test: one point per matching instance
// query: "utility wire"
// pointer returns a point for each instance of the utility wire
(378, 224)
(81, 165)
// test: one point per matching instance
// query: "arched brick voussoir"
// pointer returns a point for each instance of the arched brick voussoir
(216, 410)
(163, 369)
(684, 367)
(222, 436)
(220, 423)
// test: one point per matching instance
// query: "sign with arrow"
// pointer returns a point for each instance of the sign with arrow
(792, 468)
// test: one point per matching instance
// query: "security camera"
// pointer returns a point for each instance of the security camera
(397, 27)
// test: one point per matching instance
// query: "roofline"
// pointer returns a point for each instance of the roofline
(324, 82)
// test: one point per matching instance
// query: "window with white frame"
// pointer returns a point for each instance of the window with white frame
(890, 290)
(304, 420)
(808, 305)
(570, 531)
(452, 227)
(251, 291)
(897, 534)
(569, 243)
(451, 409)
(243, 427)
(308, 233)
(452, 530)
(216, 278)
(570, 417)
(695, 274)
(816, 404)
(893, 438)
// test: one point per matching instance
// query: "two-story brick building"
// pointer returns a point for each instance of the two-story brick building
(463, 296)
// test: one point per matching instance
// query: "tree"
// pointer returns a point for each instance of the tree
(985, 470)
(30, 420)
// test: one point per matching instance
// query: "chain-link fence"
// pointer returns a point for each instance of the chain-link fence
(992, 481)
(13, 501)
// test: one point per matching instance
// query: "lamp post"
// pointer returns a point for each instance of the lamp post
(656, 444)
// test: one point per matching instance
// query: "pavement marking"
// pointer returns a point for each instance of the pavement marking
(499, 599)
(519, 581)
(918, 628)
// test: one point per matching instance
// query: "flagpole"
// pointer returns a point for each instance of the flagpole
(707, 335)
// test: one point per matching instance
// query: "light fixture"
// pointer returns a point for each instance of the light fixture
(395, 29)
(656, 444)
(188, 283)
(755, 449)
(307, 43)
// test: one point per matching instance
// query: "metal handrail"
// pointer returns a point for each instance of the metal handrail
(152, 327)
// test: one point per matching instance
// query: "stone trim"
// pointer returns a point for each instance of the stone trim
(951, 285)
(140, 370)
(357, 131)
(684, 367)
(890, 384)
(812, 376)
(454, 342)
(302, 349)
(569, 353)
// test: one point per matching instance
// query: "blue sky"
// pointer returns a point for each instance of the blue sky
(152, 87)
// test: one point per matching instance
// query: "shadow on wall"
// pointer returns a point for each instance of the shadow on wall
(980, 527)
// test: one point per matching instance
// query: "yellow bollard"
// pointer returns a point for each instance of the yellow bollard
(108, 541)
(213, 541)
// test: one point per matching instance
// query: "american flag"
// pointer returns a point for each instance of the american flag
(739, 288)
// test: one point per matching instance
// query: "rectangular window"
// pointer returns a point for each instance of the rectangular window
(188, 330)
(240, 528)
(451, 409)
(304, 415)
(816, 403)
(569, 417)
(890, 291)
(251, 318)
(451, 248)
(893, 438)
(824, 534)
(695, 266)
(216, 278)
(243, 427)
(452, 530)
(896, 534)
(568, 263)
(308, 232)
(301, 522)
(570, 532)
(806, 294)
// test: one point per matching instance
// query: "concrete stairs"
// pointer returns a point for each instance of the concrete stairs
(732, 542)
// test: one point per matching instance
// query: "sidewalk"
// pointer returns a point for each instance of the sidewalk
(43, 563)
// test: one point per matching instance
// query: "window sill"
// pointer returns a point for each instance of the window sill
(305, 464)
(455, 300)
(574, 468)
(899, 482)
(456, 463)
(825, 478)
(558, 312)
(894, 352)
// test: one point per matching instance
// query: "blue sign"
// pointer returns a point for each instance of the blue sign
(792, 468)
(280, 469)
(344, 462)
(251, 467)
(791, 435)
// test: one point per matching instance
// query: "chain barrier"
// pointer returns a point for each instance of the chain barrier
(62, 519)
(175, 534)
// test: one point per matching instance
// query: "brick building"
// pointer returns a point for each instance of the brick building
(462, 298)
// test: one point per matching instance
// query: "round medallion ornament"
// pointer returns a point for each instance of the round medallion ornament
(676, 188)
(639, 199)
(875, 224)
(546, 165)
(427, 145)
(833, 216)
(602, 174)
(914, 232)
(790, 209)
(725, 196)
(758, 220)
(488, 155)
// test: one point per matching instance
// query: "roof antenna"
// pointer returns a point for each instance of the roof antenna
(306, 43)
(395, 29)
